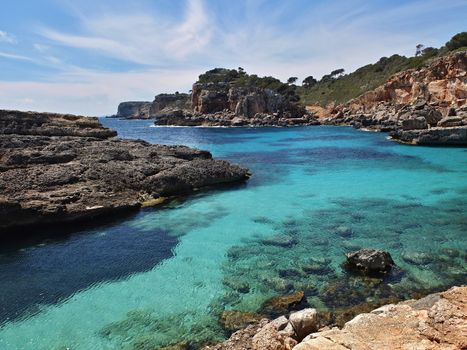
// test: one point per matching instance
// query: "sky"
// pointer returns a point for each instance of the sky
(86, 56)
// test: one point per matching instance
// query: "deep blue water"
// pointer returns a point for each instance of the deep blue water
(164, 275)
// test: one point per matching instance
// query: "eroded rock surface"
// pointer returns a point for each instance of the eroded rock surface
(436, 322)
(220, 104)
(416, 106)
(58, 168)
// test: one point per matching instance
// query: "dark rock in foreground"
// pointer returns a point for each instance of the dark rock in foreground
(369, 261)
(61, 168)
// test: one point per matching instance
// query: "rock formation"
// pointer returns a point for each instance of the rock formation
(416, 105)
(61, 168)
(436, 322)
(133, 110)
(221, 104)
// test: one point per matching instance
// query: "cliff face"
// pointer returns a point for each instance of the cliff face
(166, 104)
(223, 104)
(62, 168)
(134, 110)
(442, 83)
(415, 105)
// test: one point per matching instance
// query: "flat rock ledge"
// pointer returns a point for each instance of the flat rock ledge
(62, 168)
(437, 321)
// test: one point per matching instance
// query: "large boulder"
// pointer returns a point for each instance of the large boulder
(414, 123)
(304, 322)
(369, 261)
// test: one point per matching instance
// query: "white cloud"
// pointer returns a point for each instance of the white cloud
(88, 92)
(7, 37)
(141, 38)
(15, 56)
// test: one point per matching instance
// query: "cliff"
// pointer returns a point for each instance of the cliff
(63, 168)
(133, 110)
(415, 105)
(221, 104)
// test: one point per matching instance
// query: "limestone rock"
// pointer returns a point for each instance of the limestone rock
(134, 110)
(433, 323)
(63, 168)
(304, 322)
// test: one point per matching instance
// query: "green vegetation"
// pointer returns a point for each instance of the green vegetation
(336, 86)
(340, 88)
(239, 78)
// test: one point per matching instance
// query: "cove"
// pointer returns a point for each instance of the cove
(164, 275)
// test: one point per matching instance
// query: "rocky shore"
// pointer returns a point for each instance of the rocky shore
(424, 106)
(437, 321)
(221, 103)
(62, 168)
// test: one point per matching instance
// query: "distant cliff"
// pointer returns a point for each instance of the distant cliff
(133, 110)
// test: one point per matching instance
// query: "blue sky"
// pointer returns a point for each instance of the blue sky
(84, 57)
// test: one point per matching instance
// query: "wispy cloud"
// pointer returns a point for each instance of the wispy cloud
(15, 56)
(140, 37)
(7, 37)
(114, 51)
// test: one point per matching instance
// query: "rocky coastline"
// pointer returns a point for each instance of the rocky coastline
(63, 168)
(424, 106)
(436, 321)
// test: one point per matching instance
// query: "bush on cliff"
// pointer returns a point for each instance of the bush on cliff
(239, 78)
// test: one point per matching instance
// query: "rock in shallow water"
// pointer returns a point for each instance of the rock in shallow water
(369, 261)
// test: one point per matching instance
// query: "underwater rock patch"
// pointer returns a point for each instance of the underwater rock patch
(233, 320)
(283, 304)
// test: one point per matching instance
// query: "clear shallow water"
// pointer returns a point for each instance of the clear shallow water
(162, 276)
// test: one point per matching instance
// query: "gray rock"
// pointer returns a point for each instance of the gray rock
(414, 123)
(369, 261)
(450, 121)
(134, 110)
(62, 168)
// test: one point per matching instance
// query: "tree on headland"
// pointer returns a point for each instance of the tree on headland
(309, 82)
(419, 49)
(337, 72)
(292, 80)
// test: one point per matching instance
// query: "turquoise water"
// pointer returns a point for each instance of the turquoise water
(163, 276)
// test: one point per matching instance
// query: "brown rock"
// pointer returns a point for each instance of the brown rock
(283, 304)
(235, 320)
(435, 322)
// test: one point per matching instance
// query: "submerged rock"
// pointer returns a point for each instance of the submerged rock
(283, 304)
(233, 320)
(280, 241)
(64, 168)
(369, 261)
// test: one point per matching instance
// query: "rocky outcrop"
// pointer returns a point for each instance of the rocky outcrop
(436, 322)
(221, 104)
(170, 104)
(415, 104)
(62, 168)
(133, 110)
